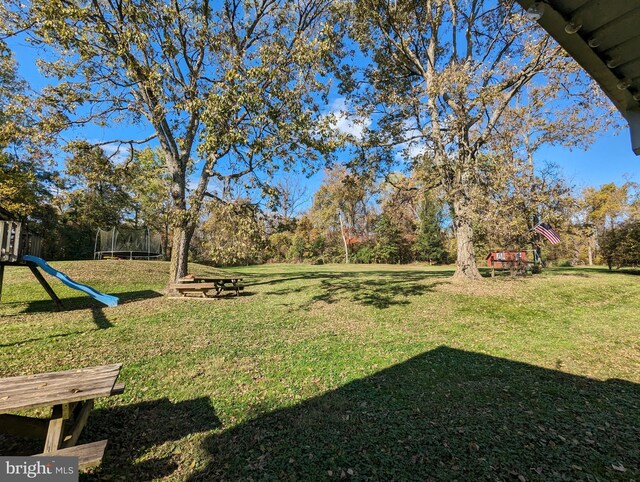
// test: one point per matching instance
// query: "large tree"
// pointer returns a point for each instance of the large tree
(621, 245)
(440, 80)
(228, 90)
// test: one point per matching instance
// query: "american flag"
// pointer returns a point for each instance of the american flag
(547, 231)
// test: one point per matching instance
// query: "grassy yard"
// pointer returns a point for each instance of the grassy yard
(356, 372)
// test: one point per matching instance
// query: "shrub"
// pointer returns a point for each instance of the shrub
(364, 255)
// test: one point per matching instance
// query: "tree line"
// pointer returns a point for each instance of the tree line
(395, 221)
(351, 217)
(459, 96)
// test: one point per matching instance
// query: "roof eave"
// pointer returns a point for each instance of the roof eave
(554, 23)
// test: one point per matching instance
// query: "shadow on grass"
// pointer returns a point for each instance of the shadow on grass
(80, 303)
(211, 298)
(281, 277)
(380, 289)
(85, 302)
(50, 337)
(133, 429)
(444, 415)
(273, 280)
(380, 294)
(579, 271)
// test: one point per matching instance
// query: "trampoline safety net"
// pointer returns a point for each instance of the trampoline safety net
(131, 243)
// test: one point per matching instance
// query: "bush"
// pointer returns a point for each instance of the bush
(296, 250)
(279, 245)
(364, 255)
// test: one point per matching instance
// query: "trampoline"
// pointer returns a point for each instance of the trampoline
(127, 243)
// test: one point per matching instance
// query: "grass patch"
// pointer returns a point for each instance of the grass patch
(362, 372)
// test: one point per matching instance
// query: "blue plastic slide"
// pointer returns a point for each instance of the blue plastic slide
(101, 297)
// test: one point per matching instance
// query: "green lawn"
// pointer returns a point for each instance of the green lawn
(359, 372)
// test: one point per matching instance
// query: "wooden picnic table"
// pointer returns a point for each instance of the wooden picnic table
(71, 395)
(205, 284)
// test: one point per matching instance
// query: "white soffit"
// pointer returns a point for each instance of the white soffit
(603, 36)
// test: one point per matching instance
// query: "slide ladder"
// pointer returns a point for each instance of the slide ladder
(47, 268)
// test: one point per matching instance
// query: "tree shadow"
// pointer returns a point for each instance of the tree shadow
(98, 314)
(408, 274)
(380, 289)
(380, 294)
(446, 414)
(98, 317)
(599, 270)
(273, 278)
(134, 429)
(50, 337)
(282, 277)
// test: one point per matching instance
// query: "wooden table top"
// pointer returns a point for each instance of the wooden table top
(208, 279)
(54, 388)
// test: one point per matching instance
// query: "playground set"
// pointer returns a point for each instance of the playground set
(18, 247)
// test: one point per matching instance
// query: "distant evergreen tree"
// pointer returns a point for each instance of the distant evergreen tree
(389, 243)
(429, 245)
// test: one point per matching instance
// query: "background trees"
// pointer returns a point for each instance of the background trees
(97, 195)
(429, 241)
(345, 195)
(232, 234)
(25, 179)
(621, 246)
(608, 224)
(149, 183)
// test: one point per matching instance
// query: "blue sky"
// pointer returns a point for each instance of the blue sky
(609, 159)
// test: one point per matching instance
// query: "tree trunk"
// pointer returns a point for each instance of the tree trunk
(590, 252)
(466, 268)
(182, 227)
(180, 252)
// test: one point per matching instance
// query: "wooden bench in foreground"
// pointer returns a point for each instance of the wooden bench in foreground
(71, 395)
(89, 455)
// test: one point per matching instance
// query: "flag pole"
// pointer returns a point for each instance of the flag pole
(535, 243)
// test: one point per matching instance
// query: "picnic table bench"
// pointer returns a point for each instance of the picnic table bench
(203, 286)
(71, 395)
